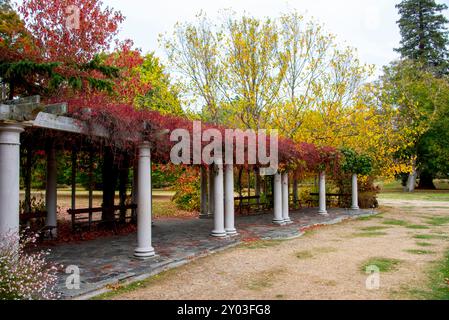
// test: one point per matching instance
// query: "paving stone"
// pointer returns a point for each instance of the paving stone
(108, 260)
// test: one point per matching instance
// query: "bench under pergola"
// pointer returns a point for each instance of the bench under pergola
(217, 180)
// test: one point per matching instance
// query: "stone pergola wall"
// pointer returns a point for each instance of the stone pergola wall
(217, 183)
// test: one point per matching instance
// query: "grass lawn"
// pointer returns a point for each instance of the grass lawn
(81, 192)
(438, 285)
(405, 243)
(439, 288)
(394, 191)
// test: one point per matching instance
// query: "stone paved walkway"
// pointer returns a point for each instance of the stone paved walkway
(109, 260)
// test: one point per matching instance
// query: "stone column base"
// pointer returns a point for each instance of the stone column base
(218, 234)
(144, 253)
(279, 222)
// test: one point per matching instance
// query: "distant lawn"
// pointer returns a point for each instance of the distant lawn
(394, 191)
(81, 192)
(437, 195)
(395, 185)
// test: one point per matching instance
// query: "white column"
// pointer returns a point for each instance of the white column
(9, 178)
(229, 200)
(285, 199)
(277, 199)
(203, 200)
(144, 248)
(219, 230)
(51, 189)
(355, 193)
(211, 176)
(322, 196)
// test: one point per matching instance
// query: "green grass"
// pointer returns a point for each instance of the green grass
(438, 221)
(437, 287)
(395, 222)
(394, 191)
(395, 185)
(439, 280)
(417, 195)
(369, 218)
(120, 289)
(416, 227)
(424, 244)
(165, 208)
(430, 237)
(262, 244)
(384, 264)
(419, 252)
(374, 228)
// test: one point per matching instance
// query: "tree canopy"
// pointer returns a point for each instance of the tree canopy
(424, 33)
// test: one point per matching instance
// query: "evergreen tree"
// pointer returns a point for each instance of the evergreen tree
(424, 33)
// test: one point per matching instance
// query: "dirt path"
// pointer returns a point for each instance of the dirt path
(325, 264)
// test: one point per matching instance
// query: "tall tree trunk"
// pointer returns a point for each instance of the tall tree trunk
(426, 181)
(110, 174)
(411, 182)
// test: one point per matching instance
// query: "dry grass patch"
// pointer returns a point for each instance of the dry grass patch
(264, 279)
(424, 244)
(302, 255)
(372, 234)
(419, 252)
(262, 244)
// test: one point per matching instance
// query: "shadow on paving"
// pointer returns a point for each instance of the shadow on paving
(109, 260)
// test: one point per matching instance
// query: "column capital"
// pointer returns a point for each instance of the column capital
(145, 149)
(10, 133)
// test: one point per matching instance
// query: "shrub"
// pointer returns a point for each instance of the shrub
(25, 274)
(187, 196)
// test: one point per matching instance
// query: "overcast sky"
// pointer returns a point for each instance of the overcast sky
(368, 25)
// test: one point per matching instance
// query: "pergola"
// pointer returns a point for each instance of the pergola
(217, 180)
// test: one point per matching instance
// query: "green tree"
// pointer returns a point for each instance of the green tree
(424, 33)
(422, 101)
(163, 96)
